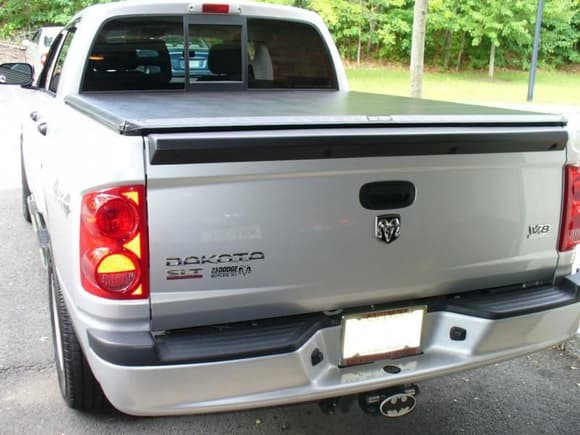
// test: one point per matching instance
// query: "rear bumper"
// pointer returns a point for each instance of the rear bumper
(160, 385)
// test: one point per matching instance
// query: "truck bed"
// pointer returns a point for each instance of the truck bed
(133, 113)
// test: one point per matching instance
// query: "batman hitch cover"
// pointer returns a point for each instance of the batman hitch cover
(391, 402)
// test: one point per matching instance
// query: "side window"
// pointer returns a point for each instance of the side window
(59, 62)
(36, 37)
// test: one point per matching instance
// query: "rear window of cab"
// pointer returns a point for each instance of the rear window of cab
(153, 53)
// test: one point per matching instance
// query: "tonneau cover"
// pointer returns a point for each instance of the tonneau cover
(139, 113)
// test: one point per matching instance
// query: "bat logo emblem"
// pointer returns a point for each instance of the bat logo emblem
(398, 405)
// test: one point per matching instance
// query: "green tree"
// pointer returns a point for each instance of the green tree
(498, 22)
(18, 15)
(345, 20)
(460, 33)
(495, 32)
(560, 42)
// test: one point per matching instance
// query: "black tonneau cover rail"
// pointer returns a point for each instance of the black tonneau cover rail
(259, 146)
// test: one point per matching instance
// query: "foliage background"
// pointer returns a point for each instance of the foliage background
(461, 34)
(21, 16)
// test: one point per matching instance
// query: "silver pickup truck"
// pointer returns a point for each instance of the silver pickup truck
(225, 226)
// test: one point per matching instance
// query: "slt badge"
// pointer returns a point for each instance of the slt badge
(388, 227)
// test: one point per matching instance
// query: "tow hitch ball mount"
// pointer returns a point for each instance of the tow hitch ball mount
(390, 402)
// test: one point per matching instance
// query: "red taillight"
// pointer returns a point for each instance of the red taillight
(113, 243)
(214, 8)
(43, 59)
(570, 230)
(112, 216)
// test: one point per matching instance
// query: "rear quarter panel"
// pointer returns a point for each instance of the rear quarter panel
(85, 156)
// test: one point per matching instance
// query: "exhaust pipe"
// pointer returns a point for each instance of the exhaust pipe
(391, 402)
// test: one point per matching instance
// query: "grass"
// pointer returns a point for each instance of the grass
(506, 87)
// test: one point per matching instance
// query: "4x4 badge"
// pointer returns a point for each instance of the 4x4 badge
(388, 227)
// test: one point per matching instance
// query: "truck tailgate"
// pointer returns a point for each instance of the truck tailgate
(254, 224)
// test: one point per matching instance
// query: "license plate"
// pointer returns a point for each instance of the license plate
(379, 335)
(195, 64)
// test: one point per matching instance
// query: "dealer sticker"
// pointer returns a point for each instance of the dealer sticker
(230, 271)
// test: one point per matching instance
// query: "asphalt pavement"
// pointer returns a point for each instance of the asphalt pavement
(536, 394)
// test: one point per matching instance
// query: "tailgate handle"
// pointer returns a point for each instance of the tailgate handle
(387, 195)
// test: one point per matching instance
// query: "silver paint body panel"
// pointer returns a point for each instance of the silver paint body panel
(289, 378)
(466, 230)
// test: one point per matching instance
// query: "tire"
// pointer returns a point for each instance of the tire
(25, 194)
(78, 386)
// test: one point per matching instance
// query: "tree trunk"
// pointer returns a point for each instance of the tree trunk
(358, 47)
(359, 43)
(460, 54)
(371, 33)
(418, 48)
(491, 61)
(447, 49)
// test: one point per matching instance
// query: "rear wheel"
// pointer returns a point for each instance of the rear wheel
(78, 386)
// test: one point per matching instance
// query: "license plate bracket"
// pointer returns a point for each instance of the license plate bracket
(386, 334)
